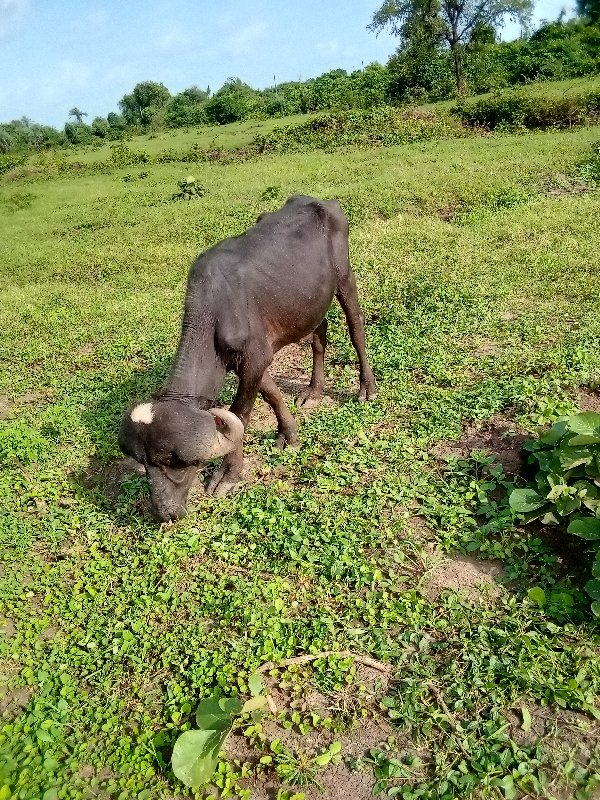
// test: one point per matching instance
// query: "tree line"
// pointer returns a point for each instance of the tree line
(447, 48)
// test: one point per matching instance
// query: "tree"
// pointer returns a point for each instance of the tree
(590, 9)
(234, 101)
(449, 21)
(100, 127)
(143, 104)
(79, 115)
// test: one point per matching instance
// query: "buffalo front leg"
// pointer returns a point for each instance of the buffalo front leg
(230, 471)
(311, 396)
(287, 432)
(348, 297)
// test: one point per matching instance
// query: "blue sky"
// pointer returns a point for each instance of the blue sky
(56, 54)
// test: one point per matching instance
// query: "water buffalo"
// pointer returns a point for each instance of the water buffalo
(246, 298)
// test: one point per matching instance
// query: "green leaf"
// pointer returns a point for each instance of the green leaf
(526, 726)
(585, 527)
(253, 704)
(214, 714)
(566, 504)
(195, 756)
(577, 440)
(507, 785)
(323, 759)
(255, 683)
(586, 424)
(537, 595)
(595, 608)
(593, 589)
(571, 457)
(524, 500)
(555, 434)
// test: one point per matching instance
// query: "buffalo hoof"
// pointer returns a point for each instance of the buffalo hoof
(309, 398)
(284, 440)
(368, 391)
(222, 482)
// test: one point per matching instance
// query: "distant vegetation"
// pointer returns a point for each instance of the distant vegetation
(422, 69)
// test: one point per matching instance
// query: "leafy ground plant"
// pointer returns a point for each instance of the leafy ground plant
(196, 752)
(567, 481)
(188, 189)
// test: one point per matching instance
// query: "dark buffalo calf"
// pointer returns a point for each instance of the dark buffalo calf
(246, 298)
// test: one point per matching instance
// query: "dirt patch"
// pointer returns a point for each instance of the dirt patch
(109, 477)
(6, 406)
(500, 436)
(588, 399)
(447, 213)
(13, 701)
(565, 735)
(338, 781)
(470, 577)
(481, 347)
(7, 627)
(563, 185)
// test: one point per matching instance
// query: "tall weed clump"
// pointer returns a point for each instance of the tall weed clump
(383, 125)
(519, 110)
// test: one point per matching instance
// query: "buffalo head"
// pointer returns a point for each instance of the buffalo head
(171, 438)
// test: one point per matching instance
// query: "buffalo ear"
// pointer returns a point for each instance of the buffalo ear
(213, 433)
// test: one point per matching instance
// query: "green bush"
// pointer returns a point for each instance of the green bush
(589, 169)
(567, 479)
(123, 156)
(517, 109)
(10, 161)
(383, 125)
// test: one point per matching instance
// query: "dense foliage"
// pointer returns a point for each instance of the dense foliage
(423, 69)
(566, 460)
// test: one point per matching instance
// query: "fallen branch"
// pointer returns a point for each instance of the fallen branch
(450, 717)
(305, 659)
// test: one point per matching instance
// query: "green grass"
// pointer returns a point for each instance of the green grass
(226, 137)
(551, 89)
(115, 628)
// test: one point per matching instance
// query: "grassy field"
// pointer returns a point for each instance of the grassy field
(385, 535)
(226, 137)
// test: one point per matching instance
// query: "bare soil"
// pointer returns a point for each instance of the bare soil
(473, 579)
(336, 780)
(588, 399)
(500, 436)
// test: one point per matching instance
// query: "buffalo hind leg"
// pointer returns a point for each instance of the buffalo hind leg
(348, 298)
(230, 471)
(287, 431)
(311, 396)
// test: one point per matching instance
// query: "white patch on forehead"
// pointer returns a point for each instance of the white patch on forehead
(143, 413)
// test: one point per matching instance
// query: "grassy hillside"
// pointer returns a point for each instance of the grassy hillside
(477, 267)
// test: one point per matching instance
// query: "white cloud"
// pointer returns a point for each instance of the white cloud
(64, 82)
(174, 38)
(329, 48)
(244, 41)
(12, 14)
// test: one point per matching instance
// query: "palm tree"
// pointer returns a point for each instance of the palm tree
(79, 115)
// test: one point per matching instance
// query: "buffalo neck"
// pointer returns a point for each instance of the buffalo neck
(197, 372)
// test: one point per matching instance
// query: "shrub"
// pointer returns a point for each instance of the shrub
(517, 109)
(123, 156)
(589, 169)
(10, 161)
(383, 125)
(188, 189)
(567, 462)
